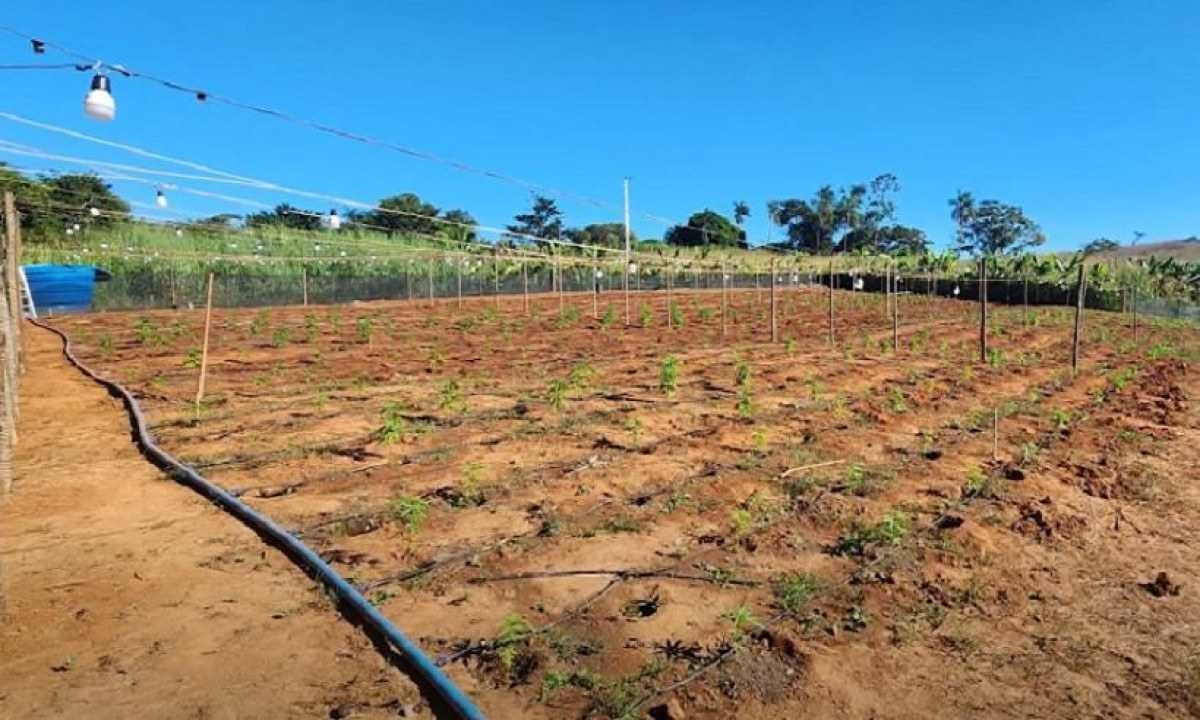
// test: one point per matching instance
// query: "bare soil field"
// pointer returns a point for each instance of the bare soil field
(583, 519)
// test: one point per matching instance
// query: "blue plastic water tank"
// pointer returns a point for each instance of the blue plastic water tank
(63, 288)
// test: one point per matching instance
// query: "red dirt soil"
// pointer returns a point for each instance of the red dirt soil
(126, 595)
(526, 496)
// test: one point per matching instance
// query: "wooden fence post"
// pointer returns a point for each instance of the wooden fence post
(983, 338)
(774, 326)
(204, 346)
(831, 338)
(895, 315)
(1080, 290)
(670, 280)
(1133, 308)
(525, 284)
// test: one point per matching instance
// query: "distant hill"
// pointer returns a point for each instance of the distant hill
(1186, 249)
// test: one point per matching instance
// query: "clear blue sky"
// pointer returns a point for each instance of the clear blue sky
(1085, 113)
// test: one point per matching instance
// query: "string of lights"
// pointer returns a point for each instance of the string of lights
(100, 105)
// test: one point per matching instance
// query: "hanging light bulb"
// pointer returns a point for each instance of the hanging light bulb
(858, 283)
(334, 220)
(75, 227)
(99, 104)
(956, 291)
(160, 199)
(599, 274)
(633, 268)
(70, 231)
(94, 212)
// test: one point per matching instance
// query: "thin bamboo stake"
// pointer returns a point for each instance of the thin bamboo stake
(1080, 289)
(595, 287)
(458, 274)
(496, 280)
(431, 304)
(724, 300)
(1133, 307)
(670, 274)
(561, 300)
(204, 346)
(831, 337)
(895, 315)
(774, 326)
(525, 285)
(628, 309)
(983, 316)
(303, 283)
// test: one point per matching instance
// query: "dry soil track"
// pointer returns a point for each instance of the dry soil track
(124, 595)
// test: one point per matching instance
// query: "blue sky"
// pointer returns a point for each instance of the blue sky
(1083, 113)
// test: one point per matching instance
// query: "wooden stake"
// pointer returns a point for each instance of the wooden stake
(1133, 307)
(895, 315)
(670, 274)
(304, 284)
(458, 265)
(983, 338)
(1025, 302)
(204, 347)
(431, 282)
(831, 300)
(408, 280)
(558, 268)
(525, 284)
(628, 308)
(496, 279)
(724, 300)
(774, 326)
(1080, 290)
(595, 287)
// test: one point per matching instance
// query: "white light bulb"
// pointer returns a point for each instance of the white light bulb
(94, 212)
(99, 103)
(599, 274)
(633, 268)
(75, 227)
(70, 231)
(956, 291)
(160, 199)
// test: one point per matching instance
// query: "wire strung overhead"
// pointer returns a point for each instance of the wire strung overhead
(93, 63)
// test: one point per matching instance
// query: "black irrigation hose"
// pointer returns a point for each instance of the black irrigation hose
(445, 698)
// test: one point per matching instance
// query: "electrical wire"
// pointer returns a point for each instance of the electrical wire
(205, 95)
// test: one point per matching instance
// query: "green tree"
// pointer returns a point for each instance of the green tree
(706, 228)
(990, 227)
(544, 220)
(285, 216)
(459, 228)
(601, 234)
(1100, 245)
(741, 211)
(819, 224)
(404, 213)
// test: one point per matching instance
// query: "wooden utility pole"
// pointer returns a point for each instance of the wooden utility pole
(831, 300)
(204, 346)
(774, 326)
(1080, 292)
(983, 316)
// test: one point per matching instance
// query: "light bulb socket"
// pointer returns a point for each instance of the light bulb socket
(101, 82)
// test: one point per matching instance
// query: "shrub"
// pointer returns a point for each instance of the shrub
(668, 375)
(410, 511)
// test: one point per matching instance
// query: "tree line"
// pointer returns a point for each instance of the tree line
(858, 219)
